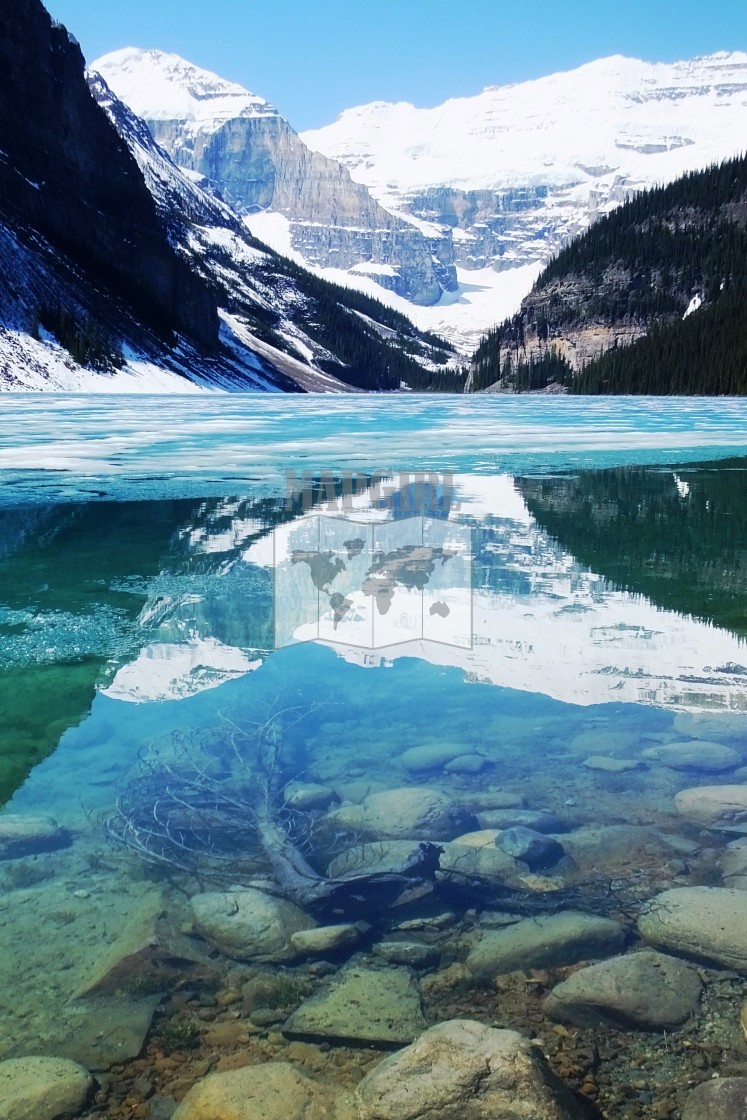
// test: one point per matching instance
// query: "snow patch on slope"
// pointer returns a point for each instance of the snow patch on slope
(32, 366)
(483, 298)
(162, 86)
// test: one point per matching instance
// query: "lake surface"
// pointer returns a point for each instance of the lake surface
(228, 624)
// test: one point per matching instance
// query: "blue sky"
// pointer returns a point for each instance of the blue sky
(313, 58)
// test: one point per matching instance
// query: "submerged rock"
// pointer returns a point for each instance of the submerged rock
(481, 800)
(43, 1088)
(615, 848)
(720, 807)
(384, 858)
(477, 861)
(550, 941)
(611, 765)
(308, 795)
(733, 864)
(645, 990)
(723, 1098)
(273, 1091)
(531, 847)
(362, 1005)
(109, 1031)
(696, 754)
(413, 954)
(702, 923)
(412, 812)
(537, 819)
(24, 834)
(249, 924)
(463, 1070)
(145, 941)
(325, 939)
(466, 764)
(431, 756)
(711, 725)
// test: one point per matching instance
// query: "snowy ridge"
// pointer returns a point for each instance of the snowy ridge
(510, 175)
(158, 85)
(649, 121)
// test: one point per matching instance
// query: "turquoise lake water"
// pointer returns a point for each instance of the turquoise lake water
(535, 582)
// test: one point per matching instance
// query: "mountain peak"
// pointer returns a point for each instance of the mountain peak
(161, 86)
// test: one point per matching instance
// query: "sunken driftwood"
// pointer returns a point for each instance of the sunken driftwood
(211, 805)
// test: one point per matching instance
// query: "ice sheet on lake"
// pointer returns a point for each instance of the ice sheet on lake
(58, 447)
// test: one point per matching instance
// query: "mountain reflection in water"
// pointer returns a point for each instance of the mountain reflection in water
(624, 585)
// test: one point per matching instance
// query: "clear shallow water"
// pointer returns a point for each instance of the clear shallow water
(605, 612)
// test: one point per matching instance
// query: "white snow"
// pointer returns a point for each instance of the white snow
(173, 670)
(371, 268)
(484, 297)
(28, 365)
(162, 86)
(607, 645)
(570, 127)
(693, 305)
(589, 138)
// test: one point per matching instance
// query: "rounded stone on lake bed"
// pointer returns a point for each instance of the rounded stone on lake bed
(711, 725)
(548, 941)
(707, 924)
(537, 819)
(23, 834)
(533, 848)
(645, 990)
(466, 764)
(462, 862)
(249, 924)
(413, 954)
(362, 1004)
(694, 754)
(272, 1091)
(308, 796)
(43, 1088)
(464, 1070)
(409, 812)
(325, 939)
(733, 864)
(723, 808)
(721, 1098)
(483, 838)
(479, 800)
(611, 765)
(430, 756)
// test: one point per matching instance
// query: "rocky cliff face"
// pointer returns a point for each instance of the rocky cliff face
(65, 173)
(252, 156)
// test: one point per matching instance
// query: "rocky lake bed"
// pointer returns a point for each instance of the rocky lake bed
(581, 948)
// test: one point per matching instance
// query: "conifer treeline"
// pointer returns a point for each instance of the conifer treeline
(640, 266)
(378, 345)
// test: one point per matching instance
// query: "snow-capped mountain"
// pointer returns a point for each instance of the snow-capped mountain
(267, 307)
(121, 272)
(254, 159)
(509, 175)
